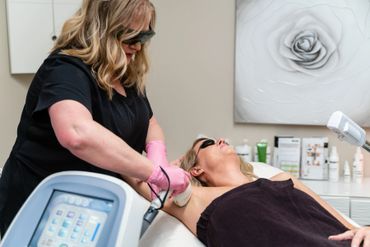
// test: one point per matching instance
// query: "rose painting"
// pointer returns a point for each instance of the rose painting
(297, 61)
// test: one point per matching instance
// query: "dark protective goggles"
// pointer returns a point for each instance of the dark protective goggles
(207, 143)
(141, 37)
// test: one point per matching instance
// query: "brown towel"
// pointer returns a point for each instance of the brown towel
(267, 213)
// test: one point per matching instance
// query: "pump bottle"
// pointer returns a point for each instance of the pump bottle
(358, 166)
(346, 172)
(334, 165)
(244, 151)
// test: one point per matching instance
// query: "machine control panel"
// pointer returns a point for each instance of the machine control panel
(71, 220)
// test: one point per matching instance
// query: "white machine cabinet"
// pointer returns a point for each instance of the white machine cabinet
(78, 209)
(33, 25)
(350, 198)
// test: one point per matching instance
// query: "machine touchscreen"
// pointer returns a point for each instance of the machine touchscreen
(71, 219)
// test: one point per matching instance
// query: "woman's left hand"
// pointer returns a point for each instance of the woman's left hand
(358, 236)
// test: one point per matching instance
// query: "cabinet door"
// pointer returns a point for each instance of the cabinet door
(360, 210)
(63, 10)
(339, 203)
(30, 26)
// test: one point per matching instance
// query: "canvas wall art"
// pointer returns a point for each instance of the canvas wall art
(297, 61)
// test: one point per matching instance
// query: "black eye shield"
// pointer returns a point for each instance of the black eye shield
(141, 37)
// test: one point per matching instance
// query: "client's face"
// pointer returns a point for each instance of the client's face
(214, 155)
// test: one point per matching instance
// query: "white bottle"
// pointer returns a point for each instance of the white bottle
(334, 165)
(358, 166)
(244, 151)
(347, 172)
(268, 155)
(255, 156)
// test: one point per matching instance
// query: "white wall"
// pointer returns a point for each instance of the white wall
(192, 78)
(190, 85)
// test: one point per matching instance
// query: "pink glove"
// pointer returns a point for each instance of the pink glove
(156, 152)
(179, 179)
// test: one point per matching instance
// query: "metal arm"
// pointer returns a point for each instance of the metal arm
(366, 146)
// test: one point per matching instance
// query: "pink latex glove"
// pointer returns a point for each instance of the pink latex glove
(156, 152)
(179, 179)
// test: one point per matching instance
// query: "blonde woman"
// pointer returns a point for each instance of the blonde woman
(230, 206)
(86, 108)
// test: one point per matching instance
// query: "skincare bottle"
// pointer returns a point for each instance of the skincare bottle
(244, 151)
(326, 162)
(358, 166)
(334, 165)
(255, 155)
(347, 172)
(262, 151)
(275, 161)
(268, 155)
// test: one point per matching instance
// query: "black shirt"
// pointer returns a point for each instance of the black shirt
(268, 213)
(37, 152)
(64, 77)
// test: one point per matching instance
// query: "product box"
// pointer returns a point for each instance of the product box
(314, 163)
(288, 154)
(276, 150)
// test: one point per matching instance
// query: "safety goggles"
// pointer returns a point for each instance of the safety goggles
(141, 37)
(206, 143)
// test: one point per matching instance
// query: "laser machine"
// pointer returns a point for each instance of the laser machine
(72, 208)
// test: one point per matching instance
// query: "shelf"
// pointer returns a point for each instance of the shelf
(350, 198)
(340, 188)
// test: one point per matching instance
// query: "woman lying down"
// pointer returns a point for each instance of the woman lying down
(229, 206)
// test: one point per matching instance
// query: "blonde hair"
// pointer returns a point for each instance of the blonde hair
(95, 35)
(188, 162)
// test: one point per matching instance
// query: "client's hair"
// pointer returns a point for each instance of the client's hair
(188, 161)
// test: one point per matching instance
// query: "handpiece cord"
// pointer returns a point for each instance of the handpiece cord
(152, 211)
(162, 198)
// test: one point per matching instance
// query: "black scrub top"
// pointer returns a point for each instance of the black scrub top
(37, 152)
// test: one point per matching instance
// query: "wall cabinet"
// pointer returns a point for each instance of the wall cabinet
(351, 199)
(32, 28)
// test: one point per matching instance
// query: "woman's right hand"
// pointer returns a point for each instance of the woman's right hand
(179, 179)
(358, 236)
